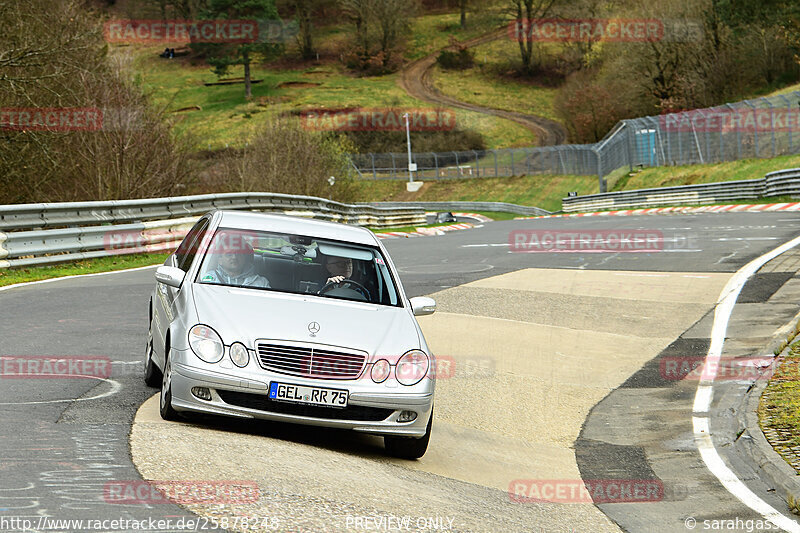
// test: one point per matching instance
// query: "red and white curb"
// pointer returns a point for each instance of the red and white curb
(474, 216)
(737, 208)
(422, 232)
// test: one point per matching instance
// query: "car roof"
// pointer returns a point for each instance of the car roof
(296, 225)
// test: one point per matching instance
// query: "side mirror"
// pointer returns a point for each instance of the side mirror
(422, 305)
(171, 276)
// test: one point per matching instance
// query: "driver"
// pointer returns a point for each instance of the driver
(235, 265)
(339, 268)
(340, 272)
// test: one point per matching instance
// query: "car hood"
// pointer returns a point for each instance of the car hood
(245, 315)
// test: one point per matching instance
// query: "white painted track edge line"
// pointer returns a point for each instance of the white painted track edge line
(51, 280)
(704, 395)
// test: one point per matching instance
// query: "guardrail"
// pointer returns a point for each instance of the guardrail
(497, 207)
(40, 234)
(779, 183)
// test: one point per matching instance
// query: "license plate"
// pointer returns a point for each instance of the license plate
(286, 392)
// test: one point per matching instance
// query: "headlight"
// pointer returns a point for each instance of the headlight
(206, 343)
(239, 355)
(412, 367)
(380, 371)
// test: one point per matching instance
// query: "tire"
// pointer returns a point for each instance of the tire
(165, 400)
(409, 447)
(152, 374)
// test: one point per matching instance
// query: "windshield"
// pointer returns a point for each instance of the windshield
(297, 264)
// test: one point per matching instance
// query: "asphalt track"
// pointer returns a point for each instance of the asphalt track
(549, 342)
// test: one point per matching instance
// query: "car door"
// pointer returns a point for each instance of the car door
(167, 304)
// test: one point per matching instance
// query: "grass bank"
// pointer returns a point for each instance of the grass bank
(546, 191)
(76, 268)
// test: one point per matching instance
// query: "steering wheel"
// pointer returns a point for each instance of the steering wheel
(356, 286)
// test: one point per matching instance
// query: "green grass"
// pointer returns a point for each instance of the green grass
(744, 169)
(89, 266)
(546, 191)
(482, 85)
(430, 33)
(225, 117)
(779, 408)
(542, 191)
(408, 229)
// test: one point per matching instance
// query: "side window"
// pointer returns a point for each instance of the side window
(185, 253)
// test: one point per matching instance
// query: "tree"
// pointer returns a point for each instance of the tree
(305, 38)
(222, 56)
(463, 6)
(525, 12)
(380, 27)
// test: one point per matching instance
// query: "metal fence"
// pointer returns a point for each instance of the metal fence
(779, 183)
(760, 128)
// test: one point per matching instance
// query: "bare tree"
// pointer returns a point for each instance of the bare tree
(304, 10)
(525, 13)
(380, 26)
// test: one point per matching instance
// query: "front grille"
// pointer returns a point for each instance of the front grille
(310, 361)
(260, 402)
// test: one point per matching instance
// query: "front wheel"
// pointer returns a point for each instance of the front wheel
(409, 447)
(152, 375)
(165, 404)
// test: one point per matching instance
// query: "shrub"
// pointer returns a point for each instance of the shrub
(460, 59)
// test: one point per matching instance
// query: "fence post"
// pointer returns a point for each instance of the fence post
(374, 172)
(601, 182)
(789, 121)
(631, 140)
(394, 166)
(495, 163)
(477, 164)
(755, 128)
(458, 165)
(772, 125)
(436, 164)
(511, 150)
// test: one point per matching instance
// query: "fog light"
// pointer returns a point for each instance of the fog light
(407, 416)
(202, 393)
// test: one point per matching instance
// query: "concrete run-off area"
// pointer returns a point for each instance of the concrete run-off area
(533, 351)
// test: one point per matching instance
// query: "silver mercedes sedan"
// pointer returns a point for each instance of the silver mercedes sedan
(294, 320)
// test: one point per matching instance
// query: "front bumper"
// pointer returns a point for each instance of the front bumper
(367, 412)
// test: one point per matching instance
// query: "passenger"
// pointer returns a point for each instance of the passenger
(235, 265)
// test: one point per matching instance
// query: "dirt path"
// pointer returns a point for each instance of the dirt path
(417, 80)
